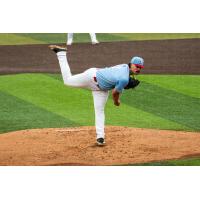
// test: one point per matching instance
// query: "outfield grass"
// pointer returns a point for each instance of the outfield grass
(46, 38)
(182, 162)
(41, 100)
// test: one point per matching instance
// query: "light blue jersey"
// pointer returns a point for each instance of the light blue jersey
(113, 77)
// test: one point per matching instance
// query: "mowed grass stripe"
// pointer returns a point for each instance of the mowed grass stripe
(130, 116)
(46, 38)
(50, 94)
(15, 39)
(152, 36)
(166, 103)
(17, 114)
(181, 162)
(184, 84)
(126, 115)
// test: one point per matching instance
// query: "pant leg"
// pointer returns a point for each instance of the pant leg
(100, 99)
(83, 80)
(64, 66)
(93, 38)
(69, 38)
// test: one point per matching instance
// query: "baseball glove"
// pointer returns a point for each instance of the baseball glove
(132, 83)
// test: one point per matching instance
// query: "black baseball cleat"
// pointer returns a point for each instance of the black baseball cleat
(57, 48)
(100, 142)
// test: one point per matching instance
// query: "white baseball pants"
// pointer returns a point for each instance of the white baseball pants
(70, 38)
(86, 80)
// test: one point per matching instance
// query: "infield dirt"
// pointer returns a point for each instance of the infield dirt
(161, 57)
(76, 146)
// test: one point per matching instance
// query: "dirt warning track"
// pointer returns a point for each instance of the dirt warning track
(161, 56)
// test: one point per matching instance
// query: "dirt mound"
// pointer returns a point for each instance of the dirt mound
(76, 146)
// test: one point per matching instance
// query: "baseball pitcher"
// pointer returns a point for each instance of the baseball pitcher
(100, 82)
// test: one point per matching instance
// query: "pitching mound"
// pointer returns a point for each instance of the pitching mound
(76, 146)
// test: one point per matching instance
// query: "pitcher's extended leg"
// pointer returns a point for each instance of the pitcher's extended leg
(83, 80)
(100, 99)
(64, 66)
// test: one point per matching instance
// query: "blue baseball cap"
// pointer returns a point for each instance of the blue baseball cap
(137, 61)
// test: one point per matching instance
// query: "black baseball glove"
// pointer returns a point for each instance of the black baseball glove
(132, 83)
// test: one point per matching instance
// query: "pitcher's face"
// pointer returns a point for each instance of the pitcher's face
(135, 68)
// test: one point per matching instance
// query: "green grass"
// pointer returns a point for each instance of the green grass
(174, 105)
(50, 95)
(182, 162)
(46, 38)
(41, 100)
(17, 114)
(161, 102)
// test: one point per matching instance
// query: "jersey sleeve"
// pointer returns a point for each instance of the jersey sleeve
(121, 84)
